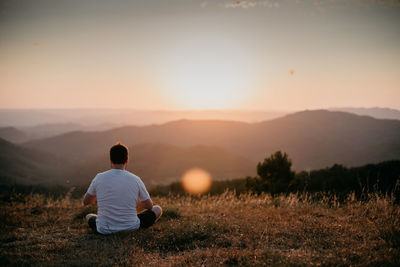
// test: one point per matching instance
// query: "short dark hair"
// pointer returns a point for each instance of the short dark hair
(119, 154)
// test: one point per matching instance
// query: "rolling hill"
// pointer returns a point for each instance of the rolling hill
(313, 139)
(162, 164)
(26, 166)
(154, 163)
(22, 134)
(13, 135)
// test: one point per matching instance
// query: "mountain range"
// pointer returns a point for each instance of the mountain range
(19, 126)
(228, 149)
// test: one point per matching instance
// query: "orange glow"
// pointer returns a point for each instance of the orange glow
(196, 181)
(208, 72)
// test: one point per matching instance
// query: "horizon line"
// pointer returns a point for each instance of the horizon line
(193, 110)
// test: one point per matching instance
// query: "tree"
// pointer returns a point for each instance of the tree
(275, 173)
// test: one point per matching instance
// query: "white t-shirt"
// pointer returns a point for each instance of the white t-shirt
(117, 193)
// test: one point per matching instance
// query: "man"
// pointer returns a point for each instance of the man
(117, 192)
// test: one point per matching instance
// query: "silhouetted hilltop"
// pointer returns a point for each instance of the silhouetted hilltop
(313, 139)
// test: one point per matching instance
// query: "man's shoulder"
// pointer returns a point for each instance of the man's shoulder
(120, 173)
(105, 173)
(131, 175)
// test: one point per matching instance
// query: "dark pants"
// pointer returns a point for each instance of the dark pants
(147, 218)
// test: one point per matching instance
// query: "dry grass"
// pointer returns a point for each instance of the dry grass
(212, 230)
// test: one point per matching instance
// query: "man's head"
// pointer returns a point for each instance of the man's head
(119, 154)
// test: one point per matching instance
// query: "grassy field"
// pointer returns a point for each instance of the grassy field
(244, 230)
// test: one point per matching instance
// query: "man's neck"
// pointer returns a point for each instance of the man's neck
(118, 166)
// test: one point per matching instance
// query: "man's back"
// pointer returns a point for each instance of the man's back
(117, 194)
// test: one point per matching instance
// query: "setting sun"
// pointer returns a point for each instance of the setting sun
(208, 72)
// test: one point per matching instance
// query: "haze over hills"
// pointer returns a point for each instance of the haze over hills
(378, 113)
(102, 119)
(27, 133)
(313, 139)
(20, 126)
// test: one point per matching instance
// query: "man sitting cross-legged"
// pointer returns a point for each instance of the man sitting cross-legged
(117, 192)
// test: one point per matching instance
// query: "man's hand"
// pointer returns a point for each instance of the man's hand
(89, 199)
(147, 204)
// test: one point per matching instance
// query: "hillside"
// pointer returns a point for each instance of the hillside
(162, 164)
(313, 139)
(13, 135)
(24, 134)
(26, 166)
(222, 230)
(154, 163)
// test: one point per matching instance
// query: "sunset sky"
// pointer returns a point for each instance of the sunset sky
(189, 54)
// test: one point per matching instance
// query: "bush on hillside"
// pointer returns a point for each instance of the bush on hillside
(275, 174)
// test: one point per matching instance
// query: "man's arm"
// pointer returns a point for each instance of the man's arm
(147, 204)
(89, 199)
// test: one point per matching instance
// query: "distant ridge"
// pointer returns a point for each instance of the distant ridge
(104, 118)
(378, 113)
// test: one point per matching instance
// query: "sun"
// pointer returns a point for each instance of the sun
(208, 73)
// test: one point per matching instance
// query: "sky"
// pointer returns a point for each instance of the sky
(195, 54)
